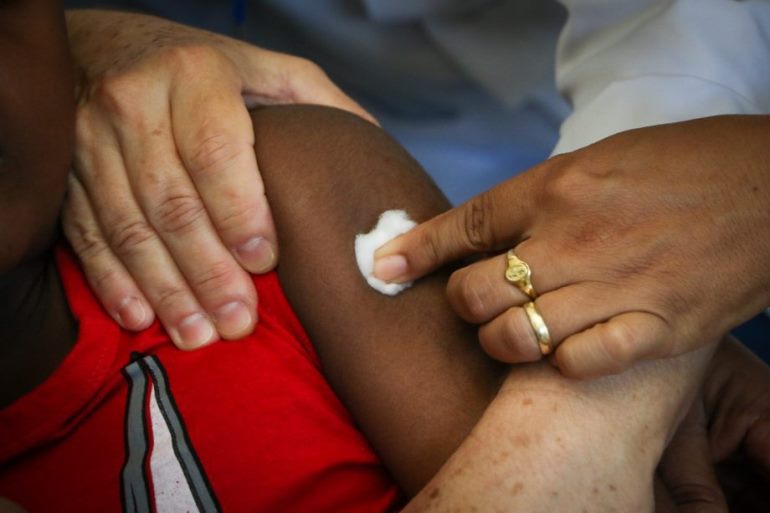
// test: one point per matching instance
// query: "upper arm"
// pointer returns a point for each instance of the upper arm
(408, 369)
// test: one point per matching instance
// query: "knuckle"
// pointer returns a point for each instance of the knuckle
(85, 241)
(476, 226)
(190, 59)
(429, 248)
(104, 279)
(465, 296)
(301, 74)
(619, 342)
(568, 363)
(307, 68)
(507, 340)
(128, 235)
(238, 217)
(84, 126)
(215, 277)
(120, 94)
(179, 213)
(518, 329)
(169, 297)
(214, 153)
(569, 181)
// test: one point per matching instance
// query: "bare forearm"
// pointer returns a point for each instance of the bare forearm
(562, 445)
(409, 370)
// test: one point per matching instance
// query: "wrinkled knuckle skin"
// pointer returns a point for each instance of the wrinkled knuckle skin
(168, 298)
(233, 222)
(428, 249)
(215, 278)
(101, 280)
(179, 213)
(476, 220)
(213, 154)
(126, 237)
(86, 242)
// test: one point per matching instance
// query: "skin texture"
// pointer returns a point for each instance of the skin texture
(409, 371)
(167, 207)
(417, 381)
(662, 242)
(413, 375)
(36, 128)
(36, 328)
(422, 404)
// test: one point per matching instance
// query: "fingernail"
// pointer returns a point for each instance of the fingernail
(390, 268)
(193, 332)
(256, 255)
(233, 319)
(131, 314)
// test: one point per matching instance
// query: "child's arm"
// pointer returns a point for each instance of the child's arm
(411, 373)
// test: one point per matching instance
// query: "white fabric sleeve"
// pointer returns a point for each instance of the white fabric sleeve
(625, 64)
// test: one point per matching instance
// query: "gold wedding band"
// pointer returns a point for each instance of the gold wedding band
(518, 273)
(538, 326)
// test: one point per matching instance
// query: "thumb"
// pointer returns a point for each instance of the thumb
(272, 77)
(687, 469)
(490, 221)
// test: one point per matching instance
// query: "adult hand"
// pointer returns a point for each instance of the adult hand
(166, 199)
(720, 455)
(639, 245)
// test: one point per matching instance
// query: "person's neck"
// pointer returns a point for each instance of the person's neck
(37, 329)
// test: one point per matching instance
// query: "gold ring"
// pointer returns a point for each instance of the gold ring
(538, 326)
(518, 273)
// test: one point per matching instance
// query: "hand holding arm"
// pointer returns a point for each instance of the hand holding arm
(166, 202)
(640, 246)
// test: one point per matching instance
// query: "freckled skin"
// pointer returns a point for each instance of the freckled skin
(521, 441)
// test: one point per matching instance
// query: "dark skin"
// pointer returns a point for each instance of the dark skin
(36, 133)
(417, 382)
(418, 387)
(409, 371)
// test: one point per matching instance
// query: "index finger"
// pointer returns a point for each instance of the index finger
(492, 220)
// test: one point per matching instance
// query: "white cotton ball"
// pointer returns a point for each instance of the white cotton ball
(391, 224)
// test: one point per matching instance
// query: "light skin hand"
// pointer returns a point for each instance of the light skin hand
(548, 443)
(638, 244)
(167, 210)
